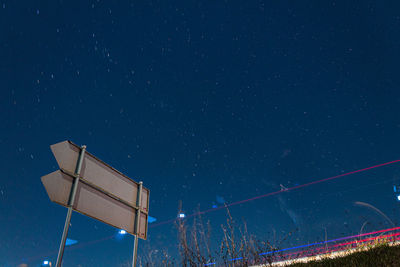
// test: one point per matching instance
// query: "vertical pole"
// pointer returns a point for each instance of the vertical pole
(70, 204)
(135, 245)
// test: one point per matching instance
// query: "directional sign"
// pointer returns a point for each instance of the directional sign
(103, 193)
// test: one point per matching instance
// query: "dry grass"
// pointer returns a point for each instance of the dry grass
(237, 246)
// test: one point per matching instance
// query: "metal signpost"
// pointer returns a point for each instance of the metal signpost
(135, 245)
(87, 185)
(70, 203)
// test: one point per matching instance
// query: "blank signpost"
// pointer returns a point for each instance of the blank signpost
(89, 186)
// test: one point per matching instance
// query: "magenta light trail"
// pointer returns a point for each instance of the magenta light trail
(339, 247)
(278, 192)
(330, 248)
(334, 240)
(311, 253)
(365, 240)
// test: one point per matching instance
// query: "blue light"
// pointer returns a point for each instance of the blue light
(152, 219)
(70, 242)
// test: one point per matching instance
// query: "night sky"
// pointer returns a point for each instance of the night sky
(206, 102)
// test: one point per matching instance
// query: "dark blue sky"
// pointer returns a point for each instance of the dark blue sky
(200, 100)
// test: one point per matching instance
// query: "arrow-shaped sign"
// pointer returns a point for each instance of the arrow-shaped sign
(93, 202)
(90, 186)
(100, 174)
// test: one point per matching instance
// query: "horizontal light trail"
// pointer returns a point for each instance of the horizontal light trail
(325, 250)
(334, 240)
(335, 248)
(310, 252)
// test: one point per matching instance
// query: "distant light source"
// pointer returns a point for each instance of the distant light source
(398, 197)
(151, 219)
(182, 215)
(70, 242)
(45, 262)
(122, 232)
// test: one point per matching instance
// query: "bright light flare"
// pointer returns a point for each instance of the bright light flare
(182, 215)
(122, 232)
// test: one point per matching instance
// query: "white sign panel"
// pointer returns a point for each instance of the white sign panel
(103, 192)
